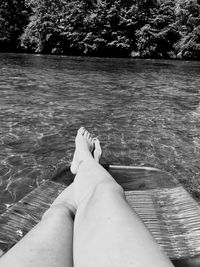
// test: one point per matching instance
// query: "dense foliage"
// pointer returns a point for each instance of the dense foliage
(14, 17)
(120, 28)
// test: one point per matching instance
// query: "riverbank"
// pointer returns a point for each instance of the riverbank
(134, 55)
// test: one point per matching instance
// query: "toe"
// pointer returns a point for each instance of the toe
(81, 130)
(95, 140)
(86, 134)
(97, 143)
(89, 136)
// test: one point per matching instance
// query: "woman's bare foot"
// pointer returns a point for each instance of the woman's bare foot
(84, 147)
(97, 150)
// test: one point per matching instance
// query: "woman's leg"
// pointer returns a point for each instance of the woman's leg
(107, 232)
(50, 242)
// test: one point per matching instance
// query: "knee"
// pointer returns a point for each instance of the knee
(58, 211)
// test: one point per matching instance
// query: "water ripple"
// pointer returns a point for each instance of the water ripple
(145, 112)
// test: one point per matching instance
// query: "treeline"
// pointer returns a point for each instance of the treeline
(118, 28)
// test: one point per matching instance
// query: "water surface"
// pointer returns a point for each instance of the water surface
(145, 112)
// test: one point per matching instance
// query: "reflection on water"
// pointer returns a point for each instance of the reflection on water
(145, 112)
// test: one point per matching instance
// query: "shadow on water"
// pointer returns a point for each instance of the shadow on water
(145, 112)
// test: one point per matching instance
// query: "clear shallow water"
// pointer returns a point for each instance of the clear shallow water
(145, 112)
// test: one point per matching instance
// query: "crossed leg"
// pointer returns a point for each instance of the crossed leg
(105, 231)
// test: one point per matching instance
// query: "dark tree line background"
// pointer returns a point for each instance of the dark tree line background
(118, 28)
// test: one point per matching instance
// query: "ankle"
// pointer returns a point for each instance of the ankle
(86, 163)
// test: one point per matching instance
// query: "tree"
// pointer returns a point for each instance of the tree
(75, 27)
(13, 19)
(157, 38)
(42, 33)
(188, 19)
